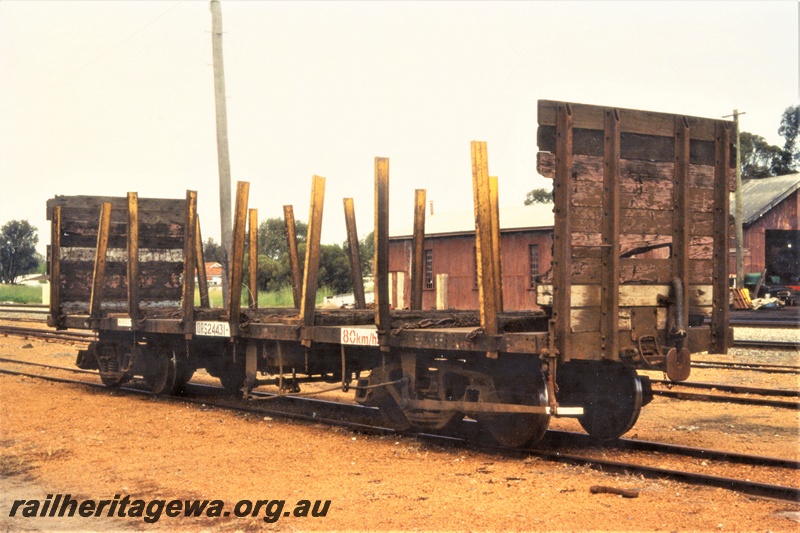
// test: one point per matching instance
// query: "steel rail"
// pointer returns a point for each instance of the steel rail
(75, 336)
(737, 389)
(747, 487)
(755, 367)
(767, 345)
(715, 398)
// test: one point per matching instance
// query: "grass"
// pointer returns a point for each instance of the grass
(21, 294)
(280, 298)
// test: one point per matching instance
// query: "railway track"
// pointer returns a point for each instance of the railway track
(360, 418)
(672, 390)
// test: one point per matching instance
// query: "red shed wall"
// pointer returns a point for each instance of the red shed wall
(783, 216)
(455, 256)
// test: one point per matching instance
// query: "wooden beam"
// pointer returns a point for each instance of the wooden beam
(98, 275)
(381, 283)
(252, 293)
(200, 260)
(487, 295)
(55, 267)
(311, 268)
(418, 250)
(355, 254)
(133, 258)
(494, 199)
(189, 263)
(294, 256)
(721, 310)
(681, 222)
(609, 315)
(237, 255)
(562, 234)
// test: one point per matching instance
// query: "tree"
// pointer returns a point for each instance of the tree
(789, 129)
(759, 158)
(212, 252)
(763, 160)
(18, 242)
(272, 236)
(539, 196)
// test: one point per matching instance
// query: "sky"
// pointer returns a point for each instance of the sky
(106, 97)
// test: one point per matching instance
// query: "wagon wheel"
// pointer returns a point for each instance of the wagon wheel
(166, 372)
(518, 429)
(161, 369)
(232, 378)
(612, 403)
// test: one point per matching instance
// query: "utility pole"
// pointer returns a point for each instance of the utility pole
(223, 157)
(738, 212)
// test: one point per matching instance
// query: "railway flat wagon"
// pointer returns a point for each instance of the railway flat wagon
(638, 281)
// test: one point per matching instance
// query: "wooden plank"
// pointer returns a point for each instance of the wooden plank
(562, 234)
(609, 261)
(252, 293)
(484, 247)
(355, 254)
(587, 319)
(632, 120)
(200, 261)
(187, 297)
(96, 299)
(418, 250)
(586, 270)
(311, 266)
(381, 233)
(294, 255)
(55, 267)
(133, 258)
(237, 256)
(629, 295)
(159, 281)
(721, 311)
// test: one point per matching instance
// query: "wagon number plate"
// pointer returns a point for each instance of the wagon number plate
(212, 329)
(359, 336)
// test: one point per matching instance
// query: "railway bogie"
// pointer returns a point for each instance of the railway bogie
(639, 261)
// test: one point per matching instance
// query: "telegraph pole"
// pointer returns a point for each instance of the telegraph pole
(738, 212)
(223, 157)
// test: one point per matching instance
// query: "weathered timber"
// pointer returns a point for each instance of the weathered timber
(638, 195)
(641, 221)
(133, 257)
(418, 250)
(200, 260)
(610, 251)
(55, 267)
(721, 308)
(562, 232)
(252, 250)
(381, 233)
(99, 270)
(187, 297)
(586, 270)
(158, 280)
(700, 176)
(484, 246)
(494, 202)
(355, 254)
(237, 254)
(294, 256)
(629, 295)
(311, 267)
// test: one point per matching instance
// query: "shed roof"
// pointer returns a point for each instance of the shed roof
(535, 216)
(759, 196)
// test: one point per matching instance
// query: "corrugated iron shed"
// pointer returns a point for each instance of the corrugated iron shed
(759, 196)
